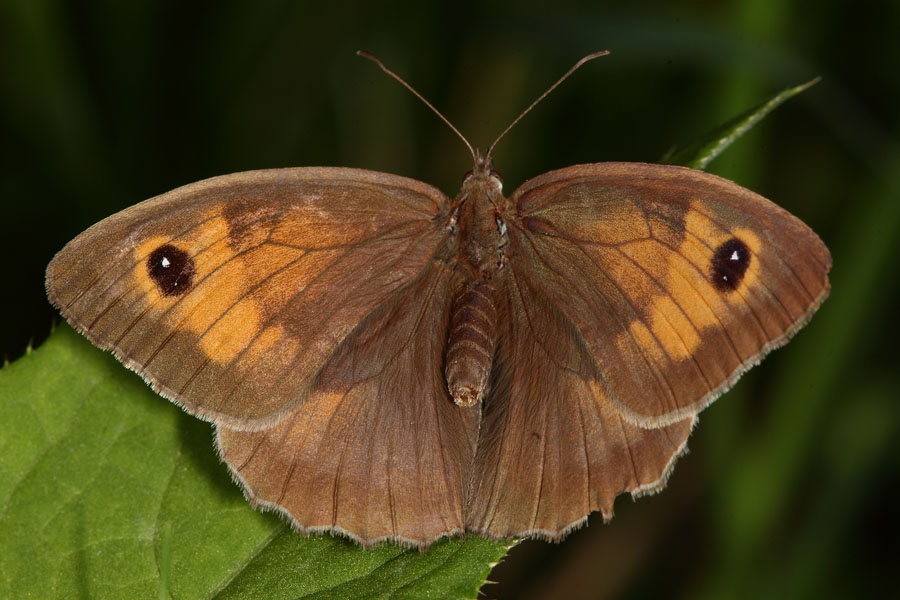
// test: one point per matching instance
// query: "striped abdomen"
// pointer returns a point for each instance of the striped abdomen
(470, 348)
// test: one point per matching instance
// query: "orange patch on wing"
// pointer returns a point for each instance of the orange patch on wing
(242, 296)
(690, 293)
(229, 279)
(226, 309)
(666, 336)
(682, 300)
(674, 311)
(220, 308)
(677, 335)
(232, 332)
(221, 282)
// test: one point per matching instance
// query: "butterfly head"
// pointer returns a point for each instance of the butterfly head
(483, 174)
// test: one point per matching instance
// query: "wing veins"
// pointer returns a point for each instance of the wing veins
(92, 283)
(335, 490)
(661, 379)
(158, 299)
(584, 448)
(168, 310)
(293, 467)
(739, 290)
(380, 189)
(127, 272)
(316, 462)
(683, 312)
(268, 322)
(440, 441)
(688, 281)
(260, 284)
(235, 386)
(721, 198)
(776, 254)
(637, 480)
(539, 497)
(287, 303)
(538, 342)
(408, 338)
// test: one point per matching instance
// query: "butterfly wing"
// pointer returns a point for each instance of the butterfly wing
(635, 295)
(230, 294)
(553, 447)
(676, 280)
(379, 451)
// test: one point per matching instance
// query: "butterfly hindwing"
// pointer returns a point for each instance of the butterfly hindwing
(379, 450)
(228, 295)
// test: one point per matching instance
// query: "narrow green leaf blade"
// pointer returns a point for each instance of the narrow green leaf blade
(699, 154)
(109, 491)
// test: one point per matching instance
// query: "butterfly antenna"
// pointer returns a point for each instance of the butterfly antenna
(378, 62)
(587, 58)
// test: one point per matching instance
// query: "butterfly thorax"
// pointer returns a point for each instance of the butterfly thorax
(480, 224)
(480, 230)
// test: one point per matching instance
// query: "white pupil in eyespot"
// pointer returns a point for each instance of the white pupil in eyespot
(734, 255)
(165, 262)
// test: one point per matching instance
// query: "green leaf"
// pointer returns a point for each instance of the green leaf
(699, 154)
(109, 491)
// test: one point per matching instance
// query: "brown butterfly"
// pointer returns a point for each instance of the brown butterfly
(387, 363)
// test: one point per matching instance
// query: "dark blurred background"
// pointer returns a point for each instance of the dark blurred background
(791, 488)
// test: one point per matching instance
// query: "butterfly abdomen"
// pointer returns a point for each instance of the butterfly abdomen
(470, 348)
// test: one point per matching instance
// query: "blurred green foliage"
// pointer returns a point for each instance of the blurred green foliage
(791, 486)
(107, 491)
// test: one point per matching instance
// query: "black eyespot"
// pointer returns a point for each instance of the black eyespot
(171, 269)
(729, 264)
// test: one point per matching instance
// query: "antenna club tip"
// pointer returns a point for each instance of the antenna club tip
(594, 55)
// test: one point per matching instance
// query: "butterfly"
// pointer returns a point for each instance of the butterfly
(384, 362)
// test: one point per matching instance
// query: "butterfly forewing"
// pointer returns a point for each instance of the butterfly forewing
(676, 280)
(229, 295)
